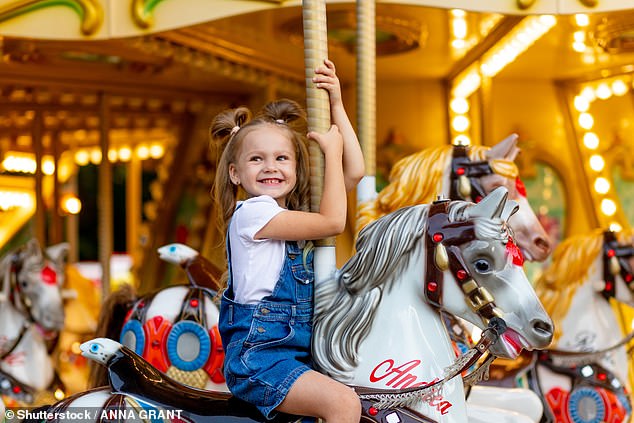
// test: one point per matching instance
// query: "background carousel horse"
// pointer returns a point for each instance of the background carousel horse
(31, 315)
(461, 173)
(377, 322)
(175, 328)
(584, 376)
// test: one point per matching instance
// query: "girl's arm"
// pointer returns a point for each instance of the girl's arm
(353, 164)
(331, 219)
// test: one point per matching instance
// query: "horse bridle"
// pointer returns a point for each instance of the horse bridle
(615, 262)
(443, 239)
(466, 174)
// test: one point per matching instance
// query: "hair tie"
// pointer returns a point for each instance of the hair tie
(280, 121)
(234, 130)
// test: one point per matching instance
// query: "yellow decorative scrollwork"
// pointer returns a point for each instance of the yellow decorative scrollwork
(525, 4)
(90, 11)
(142, 12)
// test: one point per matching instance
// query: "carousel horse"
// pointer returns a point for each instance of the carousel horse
(377, 323)
(461, 173)
(583, 377)
(466, 173)
(175, 328)
(31, 316)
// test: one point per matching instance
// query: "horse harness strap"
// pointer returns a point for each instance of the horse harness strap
(25, 328)
(465, 175)
(443, 239)
(373, 400)
(615, 262)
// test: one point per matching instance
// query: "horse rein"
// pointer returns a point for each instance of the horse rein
(443, 238)
(465, 175)
(389, 398)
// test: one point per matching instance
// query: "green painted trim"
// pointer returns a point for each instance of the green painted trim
(149, 6)
(89, 11)
(41, 5)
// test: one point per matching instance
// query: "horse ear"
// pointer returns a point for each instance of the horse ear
(505, 149)
(492, 205)
(58, 253)
(510, 208)
(32, 248)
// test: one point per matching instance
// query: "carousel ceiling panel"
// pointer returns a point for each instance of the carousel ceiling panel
(570, 51)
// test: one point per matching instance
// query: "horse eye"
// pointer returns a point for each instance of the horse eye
(482, 266)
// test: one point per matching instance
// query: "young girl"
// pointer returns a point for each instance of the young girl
(266, 310)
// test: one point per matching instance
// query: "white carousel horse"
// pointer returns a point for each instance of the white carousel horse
(467, 173)
(385, 334)
(461, 173)
(174, 328)
(377, 324)
(31, 315)
(583, 377)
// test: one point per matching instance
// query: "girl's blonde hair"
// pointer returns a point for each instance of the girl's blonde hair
(228, 130)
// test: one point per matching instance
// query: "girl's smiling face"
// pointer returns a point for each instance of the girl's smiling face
(266, 164)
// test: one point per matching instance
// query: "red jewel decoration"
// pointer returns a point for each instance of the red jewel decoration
(432, 286)
(16, 389)
(193, 302)
(437, 237)
(611, 253)
(156, 344)
(478, 199)
(460, 171)
(373, 411)
(461, 274)
(514, 251)
(628, 277)
(608, 286)
(141, 304)
(519, 185)
(602, 376)
(49, 276)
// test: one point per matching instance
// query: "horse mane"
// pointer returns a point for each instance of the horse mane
(572, 262)
(345, 306)
(415, 179)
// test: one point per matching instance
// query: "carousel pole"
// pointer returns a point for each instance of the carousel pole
(105, 227)
(318, 110)
(366, 96)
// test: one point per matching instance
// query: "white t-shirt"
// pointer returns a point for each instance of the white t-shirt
(255, 263)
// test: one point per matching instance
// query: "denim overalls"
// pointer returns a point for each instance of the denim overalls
(267, 345)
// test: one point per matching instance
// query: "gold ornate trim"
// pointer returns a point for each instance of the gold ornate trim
(589, 3)
(90, 11)
(142, 12)
(525, 4)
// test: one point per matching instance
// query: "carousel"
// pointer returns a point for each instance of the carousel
(486, 270)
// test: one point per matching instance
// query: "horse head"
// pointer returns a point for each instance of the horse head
(462, 173)
(36, 278)
(414, 263)
(473, 179)
(586, 270)
(484, 279)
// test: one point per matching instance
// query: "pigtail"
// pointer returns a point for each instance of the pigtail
(224, 133)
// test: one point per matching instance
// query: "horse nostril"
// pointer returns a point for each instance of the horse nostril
(543, 328)
(542, 244)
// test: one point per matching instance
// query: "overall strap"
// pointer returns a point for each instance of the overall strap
(229, 290)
